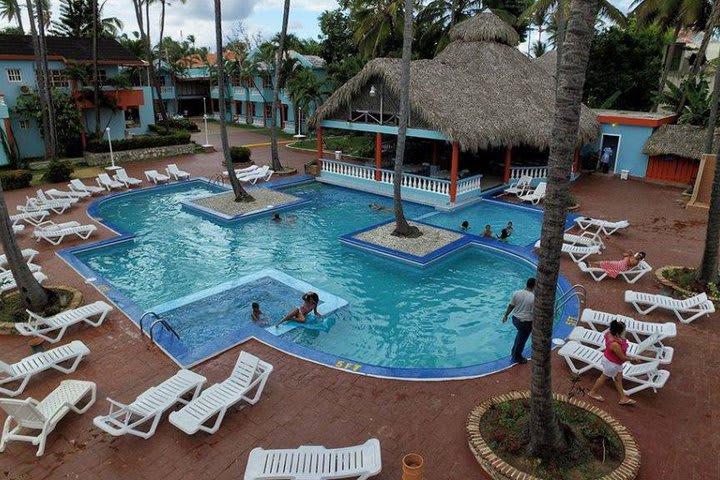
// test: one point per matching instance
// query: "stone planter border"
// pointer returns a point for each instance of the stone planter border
(8, 328)
(98, 159)
(675, 287)
(498, 469)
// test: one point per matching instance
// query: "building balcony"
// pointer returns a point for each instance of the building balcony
(123, 98)
(165, 92)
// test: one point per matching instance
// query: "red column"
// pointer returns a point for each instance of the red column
(508, 162)
(576, 161)
(454, 171)
(319, 144)
(378, 155)
(435, 153)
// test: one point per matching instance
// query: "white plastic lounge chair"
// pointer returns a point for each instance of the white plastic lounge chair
(34, 205)
(630, 276)
(142, 416)
(43, 198)
(315, 463)
(536, 195)
(32, 218)
(693, 307)
(37, 326)
(644, 375)
(29, 414)
(7, 281)
(122, 177)
(56, 235)
(56, 194)
(173, 171)
(263, 173)
(521, 187)
(28, 255)
(18, 228)
(104, 180)
(78, 186)
(577, 253)
(250, 374)
(638, 329)
(242, 171)
(645, 350)
(586, 239)
(155, 177)
(608, 228)
(24, 370)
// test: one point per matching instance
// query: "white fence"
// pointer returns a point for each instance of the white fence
(533, 172)
(169, 91)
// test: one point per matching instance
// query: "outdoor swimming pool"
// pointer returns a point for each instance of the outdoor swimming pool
(399, 318)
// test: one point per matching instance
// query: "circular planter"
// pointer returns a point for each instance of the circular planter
(498, 469)
(412, 467)
(75, 298)
(286, 172)
(675, 287)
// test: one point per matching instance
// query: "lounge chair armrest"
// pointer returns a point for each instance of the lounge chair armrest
(115, 405)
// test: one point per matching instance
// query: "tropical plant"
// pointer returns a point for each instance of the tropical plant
(278, 77)
(67, 119)
(10, 10)
(696, 110)
(547, 441)
(76, 20)
(240, 194)
(306, 91)
(402, 227)
(539, 48)
(377, 26)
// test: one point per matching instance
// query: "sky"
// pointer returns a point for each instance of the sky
(196, 17)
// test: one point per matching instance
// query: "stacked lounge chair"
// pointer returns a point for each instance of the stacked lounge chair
(686, 310)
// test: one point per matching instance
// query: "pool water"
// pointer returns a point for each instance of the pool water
(399, 316)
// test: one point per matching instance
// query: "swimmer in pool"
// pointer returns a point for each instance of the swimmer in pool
(310, 304)
(488, 232)
(510, 229)
(276, 218)
(258, 316)
(378, 208)
(465, 226)
(504, 235)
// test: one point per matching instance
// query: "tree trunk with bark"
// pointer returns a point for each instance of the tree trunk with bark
(34, 297)
(667, 65)
(96, 76)
(546, 438)
(559, 38)
(402, 227)
(18, 16)
(240, 194)
(276, 165)
(52, 130)
(45, 122)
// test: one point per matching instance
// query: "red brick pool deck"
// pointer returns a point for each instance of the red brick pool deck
(678, 429)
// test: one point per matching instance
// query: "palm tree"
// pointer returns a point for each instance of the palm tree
(10, 10)
(546, 439)
(96, 71)
(240, 194)
(378, 25)
(402, 227)
(76, 20)
(306, 91)
(279, 56)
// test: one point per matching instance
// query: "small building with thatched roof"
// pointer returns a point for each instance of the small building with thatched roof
(479, 97)
(674, 152)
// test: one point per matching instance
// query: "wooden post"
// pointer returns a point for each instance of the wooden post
(435, 153)
(454, 171)
(319, 145)
(378, 155)
(576, 161)
(508, 163)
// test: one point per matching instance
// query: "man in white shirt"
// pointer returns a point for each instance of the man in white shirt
(521, 307)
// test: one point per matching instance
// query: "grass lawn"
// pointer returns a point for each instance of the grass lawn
(80, 172)
(353, 145)
(261, 130)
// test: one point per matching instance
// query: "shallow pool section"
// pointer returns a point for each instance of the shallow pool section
(441, 321)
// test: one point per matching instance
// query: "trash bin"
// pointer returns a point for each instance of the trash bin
(624, 174)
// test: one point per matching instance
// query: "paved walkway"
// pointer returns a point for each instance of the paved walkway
(678, 429)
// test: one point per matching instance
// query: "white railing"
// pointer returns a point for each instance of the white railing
(534, 172)
(469, 184)
(348, 169)
(167, 91)
(2, 100)
(239, 91)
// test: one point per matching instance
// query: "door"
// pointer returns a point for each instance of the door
(613, 143)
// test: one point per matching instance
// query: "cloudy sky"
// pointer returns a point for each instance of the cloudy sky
(258, 16)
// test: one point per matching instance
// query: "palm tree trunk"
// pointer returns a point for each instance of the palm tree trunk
(402, 227)
(34, 296)
(96, 76)
(276, 165)
(45, 123)
(151, 67)
(20, 20)
(453, 12)
(559, 39)
(698, 64)
(52, 131)
(240, 194)
(667, 65)
(546, 439)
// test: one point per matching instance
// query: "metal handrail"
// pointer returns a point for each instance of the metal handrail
(157, 317)
(164, 324)
(576, 289)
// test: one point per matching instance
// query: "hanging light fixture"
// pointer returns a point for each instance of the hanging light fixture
(373, 92)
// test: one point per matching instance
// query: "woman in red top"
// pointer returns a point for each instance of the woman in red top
(612, 362)
(616, 267)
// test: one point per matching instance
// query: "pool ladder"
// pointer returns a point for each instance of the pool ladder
(218, 179)
(579, 291)
(158, 321)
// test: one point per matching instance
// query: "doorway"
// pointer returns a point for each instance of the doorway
(613, 143)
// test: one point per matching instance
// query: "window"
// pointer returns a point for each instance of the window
(102, 75)
(58, 79)
(14, 75)
(267, 81)
(268, 111)
(132, 117)
(25, 124)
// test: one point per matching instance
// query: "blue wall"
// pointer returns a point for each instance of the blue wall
(630, 154)
(4, 160)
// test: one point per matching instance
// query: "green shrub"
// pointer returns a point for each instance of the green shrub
(240, 154)
(59, 171)
(147, 141)
(14, 179)
(175, 125)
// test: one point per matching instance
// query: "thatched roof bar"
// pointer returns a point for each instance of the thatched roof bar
(386, 129)
(687, 141)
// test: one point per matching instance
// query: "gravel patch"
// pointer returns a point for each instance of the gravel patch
(264, 199)
(432, 239)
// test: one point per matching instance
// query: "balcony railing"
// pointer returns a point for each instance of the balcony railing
(169, 91)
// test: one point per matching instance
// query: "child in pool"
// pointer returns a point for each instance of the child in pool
(299, 314)
(504, 235)
(465, 226)
(258, 316)
(488, 232)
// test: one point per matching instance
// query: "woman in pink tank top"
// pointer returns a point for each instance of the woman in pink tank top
(613, 359)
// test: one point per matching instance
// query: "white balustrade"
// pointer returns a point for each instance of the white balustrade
(2, 100)
(469, 184)
(534, 172)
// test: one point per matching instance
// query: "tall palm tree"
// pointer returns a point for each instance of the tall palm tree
(42, 20)
(240, 194)
(545, 435)
(96, 71)
(143, 20)
(10, 10)
(402, 227)
(279, 56)
(76, 20)
(378, 25)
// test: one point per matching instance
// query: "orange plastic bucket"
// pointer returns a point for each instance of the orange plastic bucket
(413, 466)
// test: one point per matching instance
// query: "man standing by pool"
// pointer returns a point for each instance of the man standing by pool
(521, 307)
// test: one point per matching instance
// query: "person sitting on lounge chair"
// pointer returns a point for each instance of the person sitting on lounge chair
(299, 314)
(612, 362)
(616, 267)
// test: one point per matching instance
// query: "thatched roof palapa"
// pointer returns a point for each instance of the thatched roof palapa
(548, 61)
(480, 91)
(687, 141)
